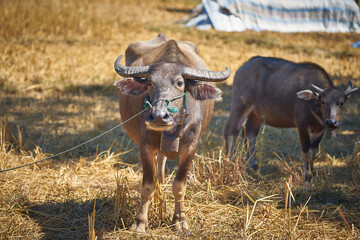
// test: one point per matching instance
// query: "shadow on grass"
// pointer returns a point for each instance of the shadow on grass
(333, 192)
(179, 10)
(92, 89)
(69, 219)
(67, 119)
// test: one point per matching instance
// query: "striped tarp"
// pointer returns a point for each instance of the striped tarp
(279, 15)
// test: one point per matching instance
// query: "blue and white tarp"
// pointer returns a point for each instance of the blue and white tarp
(278, 15)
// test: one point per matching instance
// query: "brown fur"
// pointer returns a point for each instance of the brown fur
(271, 90)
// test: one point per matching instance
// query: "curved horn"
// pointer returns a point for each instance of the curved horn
(205, 75)
(350, 89)
(132, 71)
(319, 90)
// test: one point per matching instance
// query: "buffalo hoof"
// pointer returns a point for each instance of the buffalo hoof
(139, 227)
(309, 176)
(184, 234)
(181, 227)
(254, 166)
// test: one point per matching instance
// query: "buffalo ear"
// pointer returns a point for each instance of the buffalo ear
(131, 86)
(308, 95)
(204, 91)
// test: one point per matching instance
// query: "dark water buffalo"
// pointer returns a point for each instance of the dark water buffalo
(284, 94)
(158, 73)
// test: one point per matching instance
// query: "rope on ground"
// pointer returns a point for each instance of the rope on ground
(77, 146)
(146, 106)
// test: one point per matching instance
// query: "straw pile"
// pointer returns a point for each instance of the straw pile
(56, 90)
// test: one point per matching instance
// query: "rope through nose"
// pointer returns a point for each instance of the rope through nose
(167, 102)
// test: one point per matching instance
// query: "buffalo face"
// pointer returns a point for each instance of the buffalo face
(166, 96)
(331, 101)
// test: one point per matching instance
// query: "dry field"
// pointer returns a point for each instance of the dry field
(56, 76)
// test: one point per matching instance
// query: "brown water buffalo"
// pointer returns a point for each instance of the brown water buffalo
(171, 79)
(284, 94)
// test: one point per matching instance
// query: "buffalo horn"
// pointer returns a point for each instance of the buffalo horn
(205, 75)
(350, 89)
(130, 71)
(319, 90)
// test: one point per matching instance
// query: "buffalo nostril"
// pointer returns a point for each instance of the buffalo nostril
(331, 123)
(166, 117)
(151, 117)
(159, 116)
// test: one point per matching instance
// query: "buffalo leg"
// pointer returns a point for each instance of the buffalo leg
(315, 139)
(252, 126)
(306, 154)
(179, 189)
(161, 161)
(147, 190)
(237, 117)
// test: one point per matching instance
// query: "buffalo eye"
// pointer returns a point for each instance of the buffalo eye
(323, 103)
(341, 104)
(180, 83)
(150, 83)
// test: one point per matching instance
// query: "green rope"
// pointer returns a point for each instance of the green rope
(167, 102)
(172, 109)
(185, 99)
(175, 109)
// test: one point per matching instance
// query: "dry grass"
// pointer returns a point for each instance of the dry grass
(56, 75)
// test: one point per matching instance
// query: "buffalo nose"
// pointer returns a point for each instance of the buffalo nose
(159, 117)
(331, 123)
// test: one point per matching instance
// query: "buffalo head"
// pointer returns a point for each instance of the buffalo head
(331, 101)
(166, 85)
